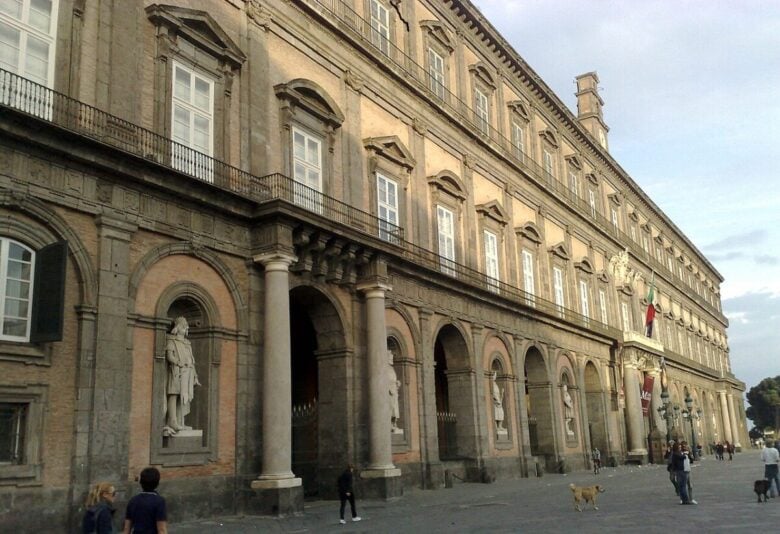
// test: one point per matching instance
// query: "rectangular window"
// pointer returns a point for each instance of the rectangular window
(592, 202)
(690, 347)
(491, 261)
(387, 208)
(548, 163)
(13, 423)
(669, 338)
(518, 141)
(626, 314)
(644, 244)
(17, 266)
(558, 288)
(446, 239)
(380, 26)
(615, 219)
(528, 277)
(584, 305)
(436, 73)
(482, 111)
(28, 30)
(680, 345)
(307, 170)
(603, 306)
(574, 185)
(192, 123)
(633, 233)
(670, 264)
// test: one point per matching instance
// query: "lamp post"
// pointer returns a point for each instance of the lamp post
(664, 410)
(691, 415)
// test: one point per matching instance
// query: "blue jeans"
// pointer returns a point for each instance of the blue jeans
(682, 484)
(770, 473)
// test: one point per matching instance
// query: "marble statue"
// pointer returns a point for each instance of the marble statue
(498, 404)
(182, 377)
(568, 410)
(394, 387)
(618, 268)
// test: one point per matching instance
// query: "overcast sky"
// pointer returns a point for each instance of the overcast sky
(690, 93)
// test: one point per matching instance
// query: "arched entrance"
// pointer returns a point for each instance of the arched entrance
(454, 395)
(319, 413)
(596, 410)
(540, 412)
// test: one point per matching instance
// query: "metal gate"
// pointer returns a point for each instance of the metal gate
(305, 445)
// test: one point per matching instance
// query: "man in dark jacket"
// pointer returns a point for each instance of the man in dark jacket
(346, 493)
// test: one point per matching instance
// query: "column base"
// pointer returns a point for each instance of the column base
(381, 483)
(275, 497)
(638, 456)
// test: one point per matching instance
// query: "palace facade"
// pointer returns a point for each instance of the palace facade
(393, 244)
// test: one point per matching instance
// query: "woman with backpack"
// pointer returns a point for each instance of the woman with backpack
(99, 518)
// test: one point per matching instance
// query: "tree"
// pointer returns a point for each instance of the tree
(764, 400)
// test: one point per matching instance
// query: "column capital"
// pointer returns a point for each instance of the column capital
(275, 260)
(374, 288)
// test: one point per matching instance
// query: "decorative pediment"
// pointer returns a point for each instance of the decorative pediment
(626, 289)
(480, 71)
(584, 265)
(615, 199)
(493, 210)
(520, 107)
(633, 216)
(437, 31)
(530, 231)
(448, 182)
(592, 178)
(392, 148)
(310, 96)
(645, 227)
(574, 161)
(669, 314)
(560, 250)
(602, 276)
(548, 136)
(199, 28)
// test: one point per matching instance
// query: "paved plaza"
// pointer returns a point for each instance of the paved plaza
(637, 499)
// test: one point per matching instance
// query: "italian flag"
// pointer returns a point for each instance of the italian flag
(650, 316)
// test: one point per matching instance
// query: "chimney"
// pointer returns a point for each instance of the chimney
(589, 105)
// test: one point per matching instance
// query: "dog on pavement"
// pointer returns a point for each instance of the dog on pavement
(761, 487)
(588, 494)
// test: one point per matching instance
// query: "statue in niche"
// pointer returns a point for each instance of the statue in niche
(182, 377)
(618, 268)
(498, 404)
(568, 410)
(394, 386)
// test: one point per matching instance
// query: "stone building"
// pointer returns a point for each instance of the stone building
(393, 245)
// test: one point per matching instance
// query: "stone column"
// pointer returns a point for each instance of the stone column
(277, 375)
(633, 411)
(380, 449)
(724, 414)
(733, 421)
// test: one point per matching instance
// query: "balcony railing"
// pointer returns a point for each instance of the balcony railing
(38, 101)
(345, 19)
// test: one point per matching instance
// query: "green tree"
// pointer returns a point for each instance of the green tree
(764, 400)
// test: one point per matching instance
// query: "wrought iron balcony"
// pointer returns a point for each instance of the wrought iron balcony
(62, 111)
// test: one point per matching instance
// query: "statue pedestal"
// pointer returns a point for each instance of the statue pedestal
(184, 440)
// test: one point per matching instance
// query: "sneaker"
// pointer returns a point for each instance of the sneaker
(356, 518)
(342, 522)
(693, 502)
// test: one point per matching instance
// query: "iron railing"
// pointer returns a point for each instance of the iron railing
(348, 21)
(38, 101)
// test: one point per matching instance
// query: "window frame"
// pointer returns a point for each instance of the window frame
(5, 244)
(492, 261)
(603, 306)
(443, 235)
(528, 266)
(25, 29)
(559, 292)
(35, 397)
(379, 41)
(204, 170)
(382, 203)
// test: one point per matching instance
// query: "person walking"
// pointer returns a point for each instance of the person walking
(146, 512)
(719, 451)
(596, 456)
(99, 518)
(347, 493)
(681, 465)
(670, 468)
(730, 449)
(771, 458)
(691, 458)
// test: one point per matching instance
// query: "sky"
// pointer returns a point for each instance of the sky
(690, 90)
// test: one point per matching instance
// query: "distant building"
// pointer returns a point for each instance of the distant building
(392, 243)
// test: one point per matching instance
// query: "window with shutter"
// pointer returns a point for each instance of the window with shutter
(48, 309)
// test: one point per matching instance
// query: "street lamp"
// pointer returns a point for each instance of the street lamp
(691, 415)
(664, 411)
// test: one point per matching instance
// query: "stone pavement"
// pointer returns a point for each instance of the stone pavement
(637, 499)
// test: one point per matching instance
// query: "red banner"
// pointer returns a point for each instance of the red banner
(647, 394)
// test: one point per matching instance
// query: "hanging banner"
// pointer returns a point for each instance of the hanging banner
(647, 394)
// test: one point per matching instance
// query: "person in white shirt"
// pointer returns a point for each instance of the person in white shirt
(771, 458)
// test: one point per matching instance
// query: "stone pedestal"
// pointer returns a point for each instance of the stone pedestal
(276, 497)
(381, 483)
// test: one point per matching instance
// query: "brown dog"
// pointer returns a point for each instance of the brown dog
(761, 487)
(587, 494)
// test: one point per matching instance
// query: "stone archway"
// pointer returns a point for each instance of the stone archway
(319, 409)
(538, 392)
(596, 409)
(454, 396)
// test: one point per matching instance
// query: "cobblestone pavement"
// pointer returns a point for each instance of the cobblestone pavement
(637, 499)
